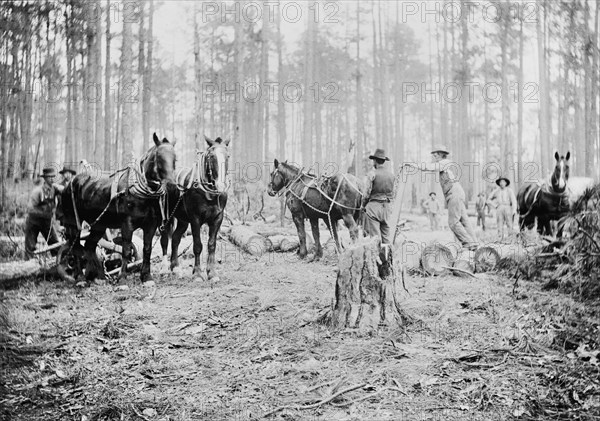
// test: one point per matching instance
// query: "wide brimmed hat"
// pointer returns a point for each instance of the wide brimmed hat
(49, 172)
(379, 154)
(503, 178)
(67, 169)
(440, 148)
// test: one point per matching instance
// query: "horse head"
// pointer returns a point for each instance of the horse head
(216, 165)
(281, 176)
(560, 176)
(158, 165)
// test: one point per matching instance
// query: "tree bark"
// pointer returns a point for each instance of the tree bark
(249, 241)
(365, 297)
(108, 141)
(147, 92)
(127, 88)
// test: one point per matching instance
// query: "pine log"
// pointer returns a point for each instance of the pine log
(283, 243)
(249, 241)
(365, 292)
(12, 271)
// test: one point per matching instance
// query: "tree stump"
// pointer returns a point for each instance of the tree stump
(365, 292)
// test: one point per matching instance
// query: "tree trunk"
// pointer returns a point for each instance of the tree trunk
(97, 65)
(197, 79)
(281, 127)
(360, 143)
(128, 92)
(249, 241)
(147, 92)
(365, 295)
(544, 97)
(108, 141)
(518, 177)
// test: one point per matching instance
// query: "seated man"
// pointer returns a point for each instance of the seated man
(40, 215)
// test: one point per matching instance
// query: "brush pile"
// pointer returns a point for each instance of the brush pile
(572, 264)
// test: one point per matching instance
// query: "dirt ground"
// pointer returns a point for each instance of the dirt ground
(249, 344)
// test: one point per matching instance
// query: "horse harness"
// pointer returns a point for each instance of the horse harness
(546, 188)
(315, 184)
(198, 179)
(137, 185)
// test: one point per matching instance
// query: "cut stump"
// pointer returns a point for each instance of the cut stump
(365, 292)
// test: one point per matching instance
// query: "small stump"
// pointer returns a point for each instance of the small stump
(365, 292)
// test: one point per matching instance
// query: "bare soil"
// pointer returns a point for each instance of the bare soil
(249, 344)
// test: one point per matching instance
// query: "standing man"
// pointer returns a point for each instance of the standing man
(458, 220)
(505, 204)
(67, 174)
(433, 210)
(480, 207)
(40, 215)
(377, 199)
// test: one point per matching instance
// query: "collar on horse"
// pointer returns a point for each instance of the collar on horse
(199, 178)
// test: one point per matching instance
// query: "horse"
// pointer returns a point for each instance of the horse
(550, 201)
(331, 199)
(127, 199)
(198, 197)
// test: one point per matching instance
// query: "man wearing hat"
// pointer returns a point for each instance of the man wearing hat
(42, 203)
(458, 220)
(481, 206)
(433, 211)
(378, 197)
(505, 202)
(67, 175)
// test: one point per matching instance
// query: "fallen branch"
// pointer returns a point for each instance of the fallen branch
(315, 405)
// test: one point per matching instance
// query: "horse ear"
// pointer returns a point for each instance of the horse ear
(276, 163)
(209, 141)
(173, 144)
(556, 156)
(155, 138)
(165, 140)
(568, 156)
(226, 142)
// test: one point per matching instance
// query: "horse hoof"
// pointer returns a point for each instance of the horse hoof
(199, 277)
(177, 271)
(145, 278)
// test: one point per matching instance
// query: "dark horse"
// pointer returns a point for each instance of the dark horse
(199, 197)
(127, 199)
(550, 201)
(331, 199)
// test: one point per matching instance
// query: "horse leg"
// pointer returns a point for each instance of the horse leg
(314, 225)
(196, 229)
(299, 222)
(94, 268)
(149, 232)
(164, 244)
(175, 241)
(213, 230)
(126, 235)
(352, 226)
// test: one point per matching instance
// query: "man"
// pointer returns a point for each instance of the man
(377, 199)
(433, 210)
(481, 206)
(506, 206)
(42, 204)
(67, 174)
(458, 220)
